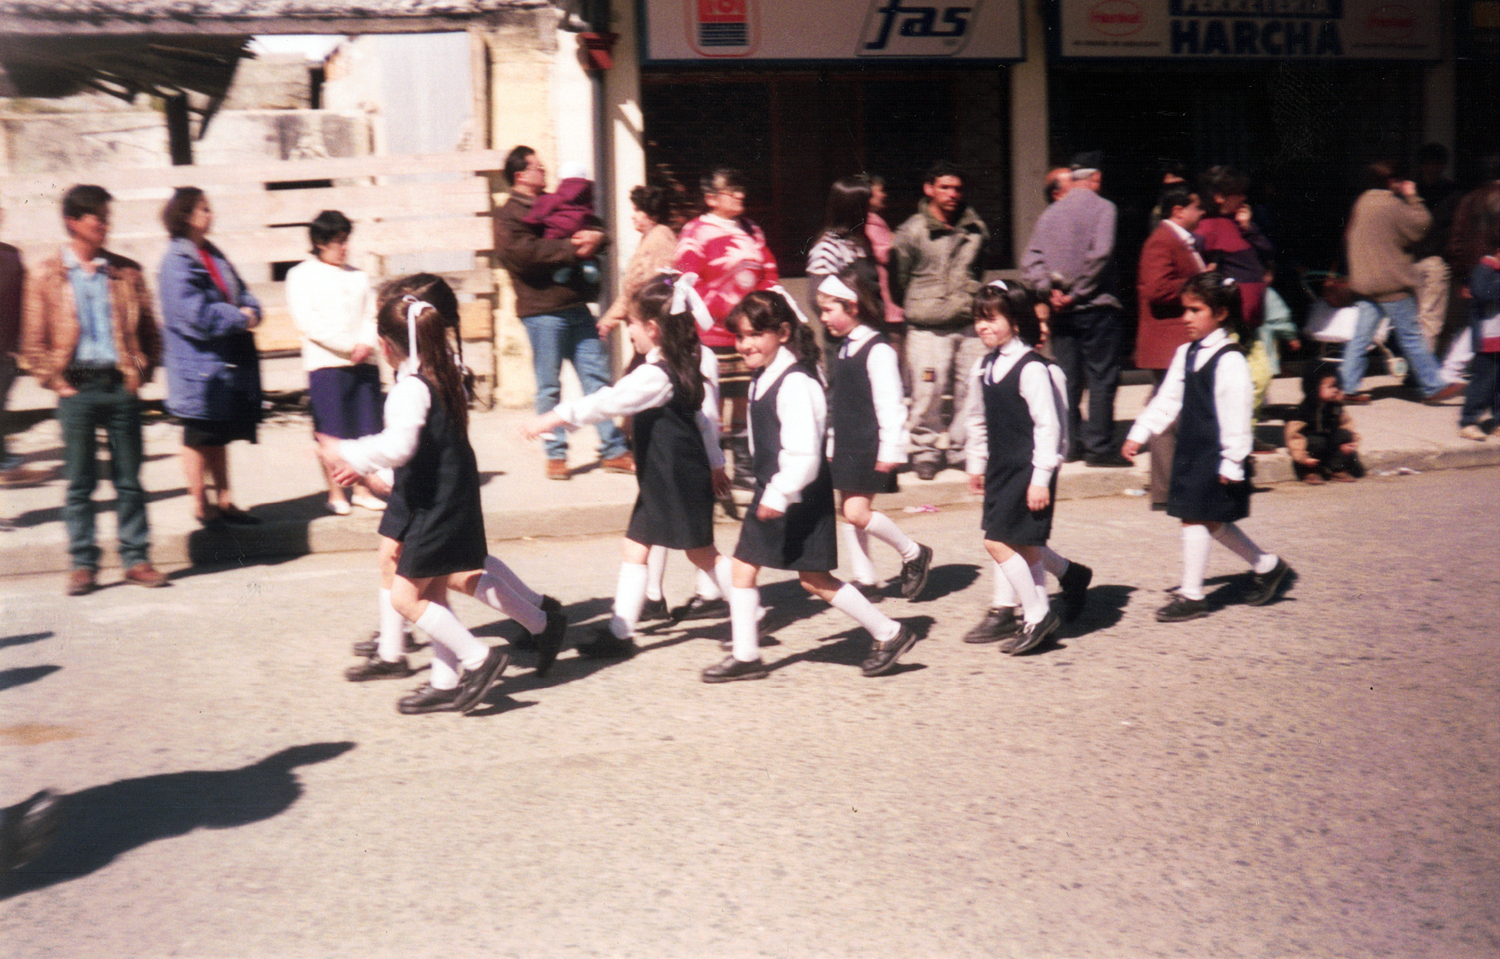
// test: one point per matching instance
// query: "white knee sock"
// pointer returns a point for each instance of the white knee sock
(1195, 542)
(1039, 576)
(723, 577)
(495, 565)
(852, 603)
(392, 629)
(1235, 540)
(444, 667)
(857, 542)
(630, 596)
(1055, 564)
(445, 629)
(1002, 594)
(1018, 572)
(656, 571)
(708, 587)
(882, 528)
(743, 628)
(495, 593)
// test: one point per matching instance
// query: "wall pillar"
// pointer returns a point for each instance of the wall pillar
(1029, 136)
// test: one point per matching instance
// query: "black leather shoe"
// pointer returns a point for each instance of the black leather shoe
(914, 573)
(27, 827)
(654, 610)
(732, 669)
(1075, 586)
(999, 623)
(377, 668)
(371, 647)
(700, 608)
(606, 645)
(427, 700)
(874, 592)
(883, 656)
(474, 683)
(1180, 609)
(1031, 635)
(1264, 588)
(550, 643)
(526, 642)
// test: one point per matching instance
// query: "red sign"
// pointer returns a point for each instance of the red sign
(1394, 21)
(1117, 18)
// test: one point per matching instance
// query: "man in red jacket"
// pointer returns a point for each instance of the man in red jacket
(1168, 259)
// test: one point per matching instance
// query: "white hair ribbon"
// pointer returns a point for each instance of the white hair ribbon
(838, 289)
(997, 285)
(414, 308)
(685, 299)
(791, 301)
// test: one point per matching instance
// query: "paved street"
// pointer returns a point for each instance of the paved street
(1316, 778)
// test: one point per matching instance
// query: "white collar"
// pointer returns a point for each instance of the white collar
(653, 355)
(1217, 338)
(778, 365)
(1013, 346)
(1182, 234)
(859, 334)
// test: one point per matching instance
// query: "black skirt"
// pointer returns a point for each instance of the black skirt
(1197, 495)
(1006, 518)
(198, 433)
(675, 505)
(804, 538)
(856, 473)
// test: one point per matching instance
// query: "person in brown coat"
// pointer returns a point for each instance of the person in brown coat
(1168, 260)
(89, 333)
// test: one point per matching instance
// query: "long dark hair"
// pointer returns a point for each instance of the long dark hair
(1016, 304)
(848, 209)
(869, 308)
(765, 310)
(1219, 292)
(680, 348)
(434, 359)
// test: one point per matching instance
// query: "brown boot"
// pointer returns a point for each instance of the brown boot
(624, 463)
(558, 470)
(144, 574)
(80, 582)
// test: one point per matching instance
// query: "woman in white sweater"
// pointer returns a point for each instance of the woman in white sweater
(333, 306)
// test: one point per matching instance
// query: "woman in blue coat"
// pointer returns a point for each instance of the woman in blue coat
(213, 368)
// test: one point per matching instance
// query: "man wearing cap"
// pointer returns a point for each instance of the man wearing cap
(1070, 263)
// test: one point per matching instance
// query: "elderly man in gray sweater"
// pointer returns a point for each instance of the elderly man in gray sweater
(1070, 263)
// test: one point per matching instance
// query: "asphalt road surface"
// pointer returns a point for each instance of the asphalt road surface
(1313, 778)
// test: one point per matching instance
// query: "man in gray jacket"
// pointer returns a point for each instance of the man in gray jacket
(1070, 263)
(936, 259)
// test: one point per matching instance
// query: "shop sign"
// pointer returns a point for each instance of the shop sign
(1250, 29)
(703, 31)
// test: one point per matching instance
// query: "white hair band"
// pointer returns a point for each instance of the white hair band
(414, 308)
(838, 289)
(791, 301)
(997, 285)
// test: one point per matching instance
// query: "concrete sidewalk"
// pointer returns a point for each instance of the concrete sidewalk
(279, 481)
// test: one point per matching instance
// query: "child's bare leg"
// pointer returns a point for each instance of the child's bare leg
(423, 601)
(497, 594)
(1014, 563)
(852, 603)
(714, 566)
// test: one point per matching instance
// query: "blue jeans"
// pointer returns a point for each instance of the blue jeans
(119, 411)
(1408, 330)
(570, 334)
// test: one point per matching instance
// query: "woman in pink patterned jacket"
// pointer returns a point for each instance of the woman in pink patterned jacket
(730, 256)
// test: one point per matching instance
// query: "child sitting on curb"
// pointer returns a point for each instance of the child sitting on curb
(1320, 433)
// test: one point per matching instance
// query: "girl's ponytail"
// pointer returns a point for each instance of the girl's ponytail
(409, 322)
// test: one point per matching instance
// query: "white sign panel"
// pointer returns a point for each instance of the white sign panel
(1251, 29)
(703, 31)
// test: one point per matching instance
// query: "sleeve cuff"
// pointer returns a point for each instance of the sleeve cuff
(1232, 471)
(1041, 477)
(775, 499)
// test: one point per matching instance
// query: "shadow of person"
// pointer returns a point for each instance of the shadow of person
(1105, 608)
(948, 579)
(21, 639)
(21, 675)
(105, 822)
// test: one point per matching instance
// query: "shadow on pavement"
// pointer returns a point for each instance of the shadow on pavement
(949, 579)
(21, 639)
(105, 822)
(21, 675)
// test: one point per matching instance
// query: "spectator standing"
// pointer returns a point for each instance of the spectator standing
(555, 314)
(213, 367)
(1475, 246)
(333, 306)
(1388, 218)
(1441, 196)
(936, 257)
(843, 242)
(1069, 261)
(1168, 260)
(731, 258)
(12, 281)
(1234, 246)
(89, 333)
(650, 216)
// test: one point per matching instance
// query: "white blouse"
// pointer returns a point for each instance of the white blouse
(406, 407)
(1044, 388)
(1233, 397)
(802, 407)
(645, 388)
